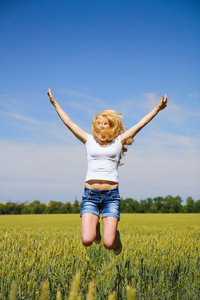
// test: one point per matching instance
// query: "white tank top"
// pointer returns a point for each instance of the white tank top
(103, 161)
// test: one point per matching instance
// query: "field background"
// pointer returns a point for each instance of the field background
(160, 257)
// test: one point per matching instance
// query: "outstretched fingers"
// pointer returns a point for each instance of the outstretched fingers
(52, 100)
(163, 102)
(49, 92)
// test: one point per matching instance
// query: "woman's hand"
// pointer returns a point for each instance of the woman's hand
(163, 102)
(52, 100)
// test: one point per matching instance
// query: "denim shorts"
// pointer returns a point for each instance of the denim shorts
(106, 201)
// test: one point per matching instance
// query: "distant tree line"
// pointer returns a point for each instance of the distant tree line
(159, 204)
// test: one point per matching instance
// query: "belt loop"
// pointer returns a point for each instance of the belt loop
(90, 192)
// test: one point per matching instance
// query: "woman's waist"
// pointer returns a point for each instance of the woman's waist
(100, 185)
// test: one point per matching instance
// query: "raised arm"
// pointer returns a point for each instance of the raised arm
(130, 133)
(76, 130)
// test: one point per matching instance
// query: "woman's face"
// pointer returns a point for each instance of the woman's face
(103, 122)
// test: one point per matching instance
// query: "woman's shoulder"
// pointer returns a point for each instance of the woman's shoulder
(116, 141)
(90, 138)
(118, 138)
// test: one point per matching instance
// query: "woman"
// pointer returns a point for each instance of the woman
(104, 149)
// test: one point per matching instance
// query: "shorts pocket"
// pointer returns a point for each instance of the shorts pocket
(116, 197)
(86, 197)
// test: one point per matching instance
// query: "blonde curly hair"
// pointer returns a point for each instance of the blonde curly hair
(106, 135)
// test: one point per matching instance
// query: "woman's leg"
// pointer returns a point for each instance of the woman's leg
(89, 229)
(111, 239)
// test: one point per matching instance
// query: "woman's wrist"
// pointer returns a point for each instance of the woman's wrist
(157, 108)
(52, 100)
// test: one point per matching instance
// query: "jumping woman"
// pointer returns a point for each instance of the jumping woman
(104, 149)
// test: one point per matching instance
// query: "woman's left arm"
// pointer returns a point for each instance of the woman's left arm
(130, 133)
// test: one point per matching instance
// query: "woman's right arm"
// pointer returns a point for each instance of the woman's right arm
(76, 130)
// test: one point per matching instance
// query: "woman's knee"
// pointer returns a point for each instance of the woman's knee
(87, 239)
(109, 242)
(87, 242)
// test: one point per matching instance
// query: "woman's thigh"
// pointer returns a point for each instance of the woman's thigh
(89, 225)
(110, 228)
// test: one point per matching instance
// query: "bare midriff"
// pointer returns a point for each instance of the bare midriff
(100, 185)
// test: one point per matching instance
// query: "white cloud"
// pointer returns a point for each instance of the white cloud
(151, 100)
(84, 107)
(194, 95)
(128, 107)
(8, 102)
(19, 117)
(158, 165)
(172, 143)
(85, 102)
(33, 169)
(174, 113)
(181, 111)
(11, 106)
(166, 164)
(80, 95)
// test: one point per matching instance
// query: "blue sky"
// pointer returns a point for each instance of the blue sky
(97, 55)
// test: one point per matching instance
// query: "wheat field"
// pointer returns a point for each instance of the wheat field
(41, 257)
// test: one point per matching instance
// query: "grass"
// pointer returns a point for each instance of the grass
(160, 258)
